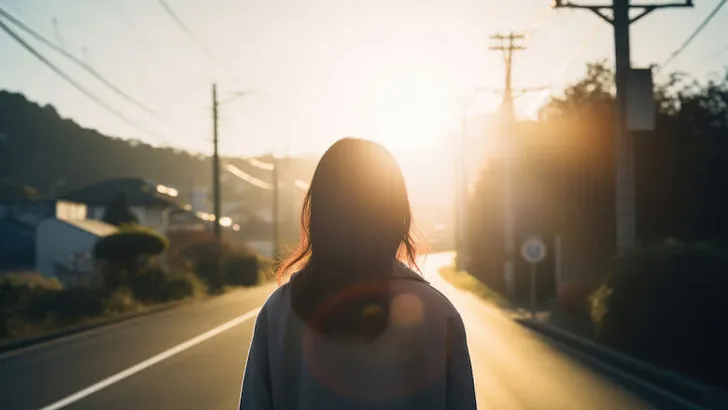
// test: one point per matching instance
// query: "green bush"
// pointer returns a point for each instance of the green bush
(19, 294)
(180, 286)
(72, 305)
(666, 304)
(130, 243)
(156, 285)
(126, 252)
(221, 264)
(242, 270)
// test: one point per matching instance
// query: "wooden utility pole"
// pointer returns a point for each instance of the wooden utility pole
(618, 15)
(276, 208)
(507, 45)
(215, 168)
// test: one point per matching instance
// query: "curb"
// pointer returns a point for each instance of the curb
(17, 345)
(675, 383)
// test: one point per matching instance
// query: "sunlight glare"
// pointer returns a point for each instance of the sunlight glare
(411, 113)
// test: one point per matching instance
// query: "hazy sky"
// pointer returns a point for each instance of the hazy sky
(390, 70)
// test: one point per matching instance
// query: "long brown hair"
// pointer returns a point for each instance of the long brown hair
(356, 209)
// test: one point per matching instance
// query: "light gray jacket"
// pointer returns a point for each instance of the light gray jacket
(420, 362)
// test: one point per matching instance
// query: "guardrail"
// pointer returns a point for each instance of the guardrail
(694, 394)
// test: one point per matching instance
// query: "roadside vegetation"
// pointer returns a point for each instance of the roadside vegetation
(666, 304)
(465, 281)
(137, 270)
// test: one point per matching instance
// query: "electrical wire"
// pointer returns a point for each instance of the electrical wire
(33, 33)
(695, 34)
(541, 19)
(247, 177)
(172, 15)
(564, 68)
(4, 27)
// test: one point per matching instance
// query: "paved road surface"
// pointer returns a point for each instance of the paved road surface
(514, 368)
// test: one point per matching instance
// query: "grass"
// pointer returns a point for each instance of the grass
(465, 281)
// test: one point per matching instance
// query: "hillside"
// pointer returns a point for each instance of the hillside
(40, 149)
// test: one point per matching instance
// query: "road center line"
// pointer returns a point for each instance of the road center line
(150, 362)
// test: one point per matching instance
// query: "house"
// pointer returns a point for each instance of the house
(64, 246)
(19, 218)
(17, 245)
(151, 203)
(46, 234)
(33, 211)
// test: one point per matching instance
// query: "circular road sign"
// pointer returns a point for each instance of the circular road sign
(534, 250)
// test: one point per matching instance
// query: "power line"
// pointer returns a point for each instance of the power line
(71, 81)
(541, 19)
(561, 72)
(170, 12)
(77, 61)
(247, 177)
(695, 33)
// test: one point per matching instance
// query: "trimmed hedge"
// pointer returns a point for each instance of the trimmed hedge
(130, 243)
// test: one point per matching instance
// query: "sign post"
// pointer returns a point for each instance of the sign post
(534, 252)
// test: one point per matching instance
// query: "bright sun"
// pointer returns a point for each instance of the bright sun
(411, 114)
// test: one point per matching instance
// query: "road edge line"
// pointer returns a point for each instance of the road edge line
(130, 371)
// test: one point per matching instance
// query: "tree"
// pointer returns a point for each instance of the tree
(126, 252)
(118, 213)
(568, 158)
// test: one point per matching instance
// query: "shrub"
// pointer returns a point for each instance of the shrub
(129, 244)
(71, 305)
(120, 301)
(242, 269)
(126, 251)
(665, 304)
(19, 293)
(155, 285)
(180, 286)
(220, 264)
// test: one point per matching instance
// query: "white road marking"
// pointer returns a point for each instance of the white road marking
(150, 362)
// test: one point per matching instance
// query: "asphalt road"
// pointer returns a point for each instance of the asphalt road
(193, 358)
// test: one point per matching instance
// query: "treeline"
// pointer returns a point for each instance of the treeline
(564, 181)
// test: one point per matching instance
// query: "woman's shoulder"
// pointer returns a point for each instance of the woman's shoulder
(406, 280)
(413, 282)
(279, 298)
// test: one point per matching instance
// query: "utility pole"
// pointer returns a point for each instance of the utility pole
(620, 19)
(507, 45)
(276, 212)
(461, 193)
(215, 168)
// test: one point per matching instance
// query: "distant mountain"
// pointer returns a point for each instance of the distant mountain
(40, 149)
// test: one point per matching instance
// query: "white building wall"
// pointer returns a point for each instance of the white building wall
(56, 241)
(70, 210)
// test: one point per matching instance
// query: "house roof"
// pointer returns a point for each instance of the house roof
(139, 192)
(12, 192)
(97, 228)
